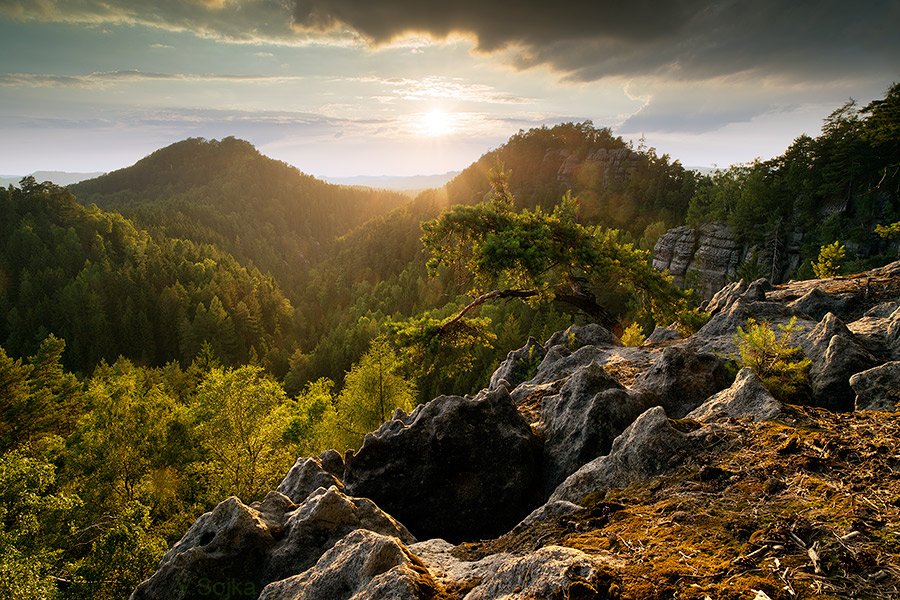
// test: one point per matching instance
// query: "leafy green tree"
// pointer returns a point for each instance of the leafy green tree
(372, 390)
(888, 232)
(782, 367)
(829, 263)
(539, 257)
(313, 425)
(34, 521)
(242, 415)
(37, 397)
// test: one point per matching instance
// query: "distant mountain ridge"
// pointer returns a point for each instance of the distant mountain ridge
(224, 192)
(396, 182)
(61, 178)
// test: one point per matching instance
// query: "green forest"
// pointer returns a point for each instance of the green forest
(183, 329)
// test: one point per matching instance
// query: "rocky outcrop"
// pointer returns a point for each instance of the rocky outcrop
(242, 548)
(650, 446)
(551, 572)
(680, 379)
(581, 422)
(877, 388)
(519, 365)
(747, 397)
(457, 468)
(306, 476)
(362, 565)
(703, 258)
(572, 419)
(836, 355)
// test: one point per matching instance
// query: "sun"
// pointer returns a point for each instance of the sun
(436, 123)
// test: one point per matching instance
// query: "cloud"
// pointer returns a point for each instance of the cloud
(106, 78)
(584, 40)
(248, 21)
(677, 39)
(439, 88)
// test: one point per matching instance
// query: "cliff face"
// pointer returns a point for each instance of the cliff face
(705, 258)
(591, 470)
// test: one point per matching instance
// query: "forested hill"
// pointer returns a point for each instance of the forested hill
(616, 184)
(228, 194)
(110, 289)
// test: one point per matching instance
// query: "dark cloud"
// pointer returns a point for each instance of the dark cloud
(584, 40)
(684, 39)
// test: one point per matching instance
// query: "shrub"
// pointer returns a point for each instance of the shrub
(633, 335)
(829, 264)
(782, 367)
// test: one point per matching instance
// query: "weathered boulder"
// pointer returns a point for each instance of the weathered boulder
(836, 355)
(560, 362)
(756, 291)
(817, 303)
(650, 446)
(725, 297)
(458, 468)
(680, 380)
(226, 547)
(662, 334)
(325, 517)
(452, 572)
(519, 365)
(581, 422)
(747, 397)
(363, 565)
(576, 336)
(703, 258)
(551, 573)
(877, 388)
(717, 335)
(306, 476)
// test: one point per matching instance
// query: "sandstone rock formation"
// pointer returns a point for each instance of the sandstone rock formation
(747, 397)
(575, 419)
(703, 258)
(455, 468)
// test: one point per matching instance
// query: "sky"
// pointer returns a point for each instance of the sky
(403, 87)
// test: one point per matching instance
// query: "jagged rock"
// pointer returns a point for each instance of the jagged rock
(747, 397)
(680, 380)
(333, 462)
(725, 297)
(364, 566)
(756, 291)
(306, 476)
(457, 468)
(324, 518)
(883, 310)
(663, 334)
(717, 335)
(226, 547)
(649, 446)
(551, 573)
(519, 365)
(877, 388)
(576, 336)
(449, 571)
(835, 356)
(703, 258)
(581, 422)
(560, 362)
(546, 511)
(816, 304)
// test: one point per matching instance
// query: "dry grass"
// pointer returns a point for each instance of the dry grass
(807, 509)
